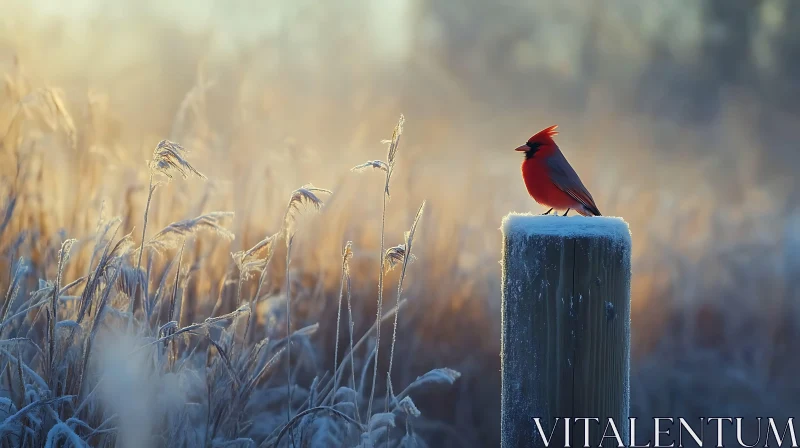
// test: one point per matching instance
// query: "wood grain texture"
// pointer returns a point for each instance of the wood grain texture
(565, 337)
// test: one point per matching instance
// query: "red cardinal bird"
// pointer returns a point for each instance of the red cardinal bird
(550, 179)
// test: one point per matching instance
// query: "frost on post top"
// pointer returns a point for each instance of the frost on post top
(613, 228)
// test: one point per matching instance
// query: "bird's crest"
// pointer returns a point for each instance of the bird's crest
(545, 134)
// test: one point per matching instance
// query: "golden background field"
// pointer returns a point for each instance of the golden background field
(678, 118)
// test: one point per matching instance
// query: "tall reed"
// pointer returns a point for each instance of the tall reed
(347, 254)
(388, 169)
(399, 254)
(168, 158)
(307, 195)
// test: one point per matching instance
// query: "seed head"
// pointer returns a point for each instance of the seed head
(376, 164)
(169, 157)
(306, 194)
(174, 234)
(394, 256)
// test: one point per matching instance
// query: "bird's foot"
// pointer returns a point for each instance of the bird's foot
(565, 213)
(547, 212)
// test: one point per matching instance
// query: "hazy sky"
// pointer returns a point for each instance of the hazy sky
(234, 23)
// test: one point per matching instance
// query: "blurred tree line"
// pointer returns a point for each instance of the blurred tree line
(680, 60)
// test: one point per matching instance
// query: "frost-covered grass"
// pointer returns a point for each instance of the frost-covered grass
(110, 342)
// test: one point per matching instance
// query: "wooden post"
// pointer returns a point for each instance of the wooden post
(565, 329)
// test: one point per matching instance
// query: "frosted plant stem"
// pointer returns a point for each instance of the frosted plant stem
(139, 288)
(261, 278)
(338, 323)
(352, 361)
(407, 257)
(394, 333)
(380, 302)
(289, 335)
(144, 227)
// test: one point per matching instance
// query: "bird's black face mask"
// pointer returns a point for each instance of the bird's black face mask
(533, 148)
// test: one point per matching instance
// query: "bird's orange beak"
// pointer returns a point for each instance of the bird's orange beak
(523, 148)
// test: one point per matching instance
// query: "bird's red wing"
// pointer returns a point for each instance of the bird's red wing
(567, 180)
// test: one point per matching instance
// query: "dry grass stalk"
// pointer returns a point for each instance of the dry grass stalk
(306, 194)
(243, 258)
(95, 277)
(195, 326)
(170, 157)
(173, 301)
(98, 317)
(169, 237)
(63, 257)
(167, 157)
(407, 257)
(46, 105)
(391, 159)
(347, 254)
(129, 280)
(248, 262)
(20, 271)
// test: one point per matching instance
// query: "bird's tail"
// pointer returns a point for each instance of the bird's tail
(589, 210)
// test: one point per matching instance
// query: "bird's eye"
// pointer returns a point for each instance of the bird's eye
(534, 145)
